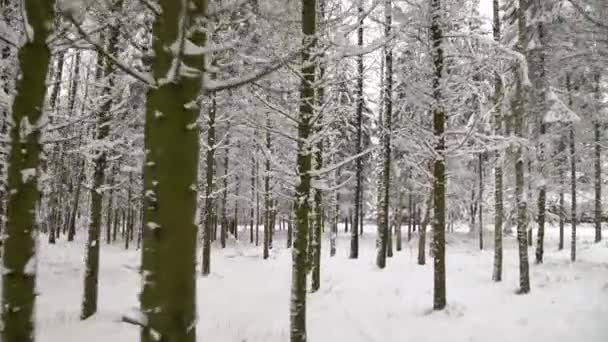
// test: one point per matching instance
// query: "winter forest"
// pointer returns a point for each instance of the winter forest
(303, 170)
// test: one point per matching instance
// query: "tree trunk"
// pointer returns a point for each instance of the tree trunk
(333, 234)
(290, 229)
(304, 164)
(498, 180)
(19, 257)
(257, 207)
(480, 201)
(115, 225)
(537, 70)
(598, 182)
(439, 291)
(267, 199)
(209, 189)
(572, 143)
(110, 209)
(354, 239)
(252, 209)
(422, 232)
(89, 300)
(237, 190)
(384, 227)
(223, 220)
(519, 113)
(72, 222)
(411, 213)
(573, 218)
(318, 164)
(598, 167)
(168, 298)
(398, 222)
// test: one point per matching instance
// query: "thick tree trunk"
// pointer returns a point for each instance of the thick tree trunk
(168, 298)
(19, 257)
(304, 164)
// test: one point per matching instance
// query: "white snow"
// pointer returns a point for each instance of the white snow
(246, 298)
(30, 266)
(28, 174)
(152, 225)
(29, 30)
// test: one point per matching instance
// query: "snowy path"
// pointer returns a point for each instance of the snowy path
(247, 299)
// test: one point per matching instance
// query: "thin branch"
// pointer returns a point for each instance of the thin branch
(100, 49)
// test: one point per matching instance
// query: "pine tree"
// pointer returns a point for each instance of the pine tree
(519, 113)
(597, 138)
(383, 229)
(498, 180)
(170, 174)
(209, 188)
(304, 166)
(89, 300)
(19, 257)
(572, 155)
(439, 290)
(354, 240)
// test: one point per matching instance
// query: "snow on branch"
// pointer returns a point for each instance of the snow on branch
(212, 85)
(329, 168)
(587, 16)
(145, 78)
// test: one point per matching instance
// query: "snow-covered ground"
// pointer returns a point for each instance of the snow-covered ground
(247, 299)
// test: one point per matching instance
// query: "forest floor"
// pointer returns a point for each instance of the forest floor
(246, 298)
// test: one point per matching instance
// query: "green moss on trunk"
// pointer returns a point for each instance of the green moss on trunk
(168, 298)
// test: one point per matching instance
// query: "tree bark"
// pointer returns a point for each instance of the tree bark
(354, 239)
(498, 180)
(519, 112)
(597, 135)
(480, 201)
(89, 300)
(267, 204)
(168, 298)
(304, 164)
(439, 290)
(19, 257)
(209, 189)
(224, 220)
